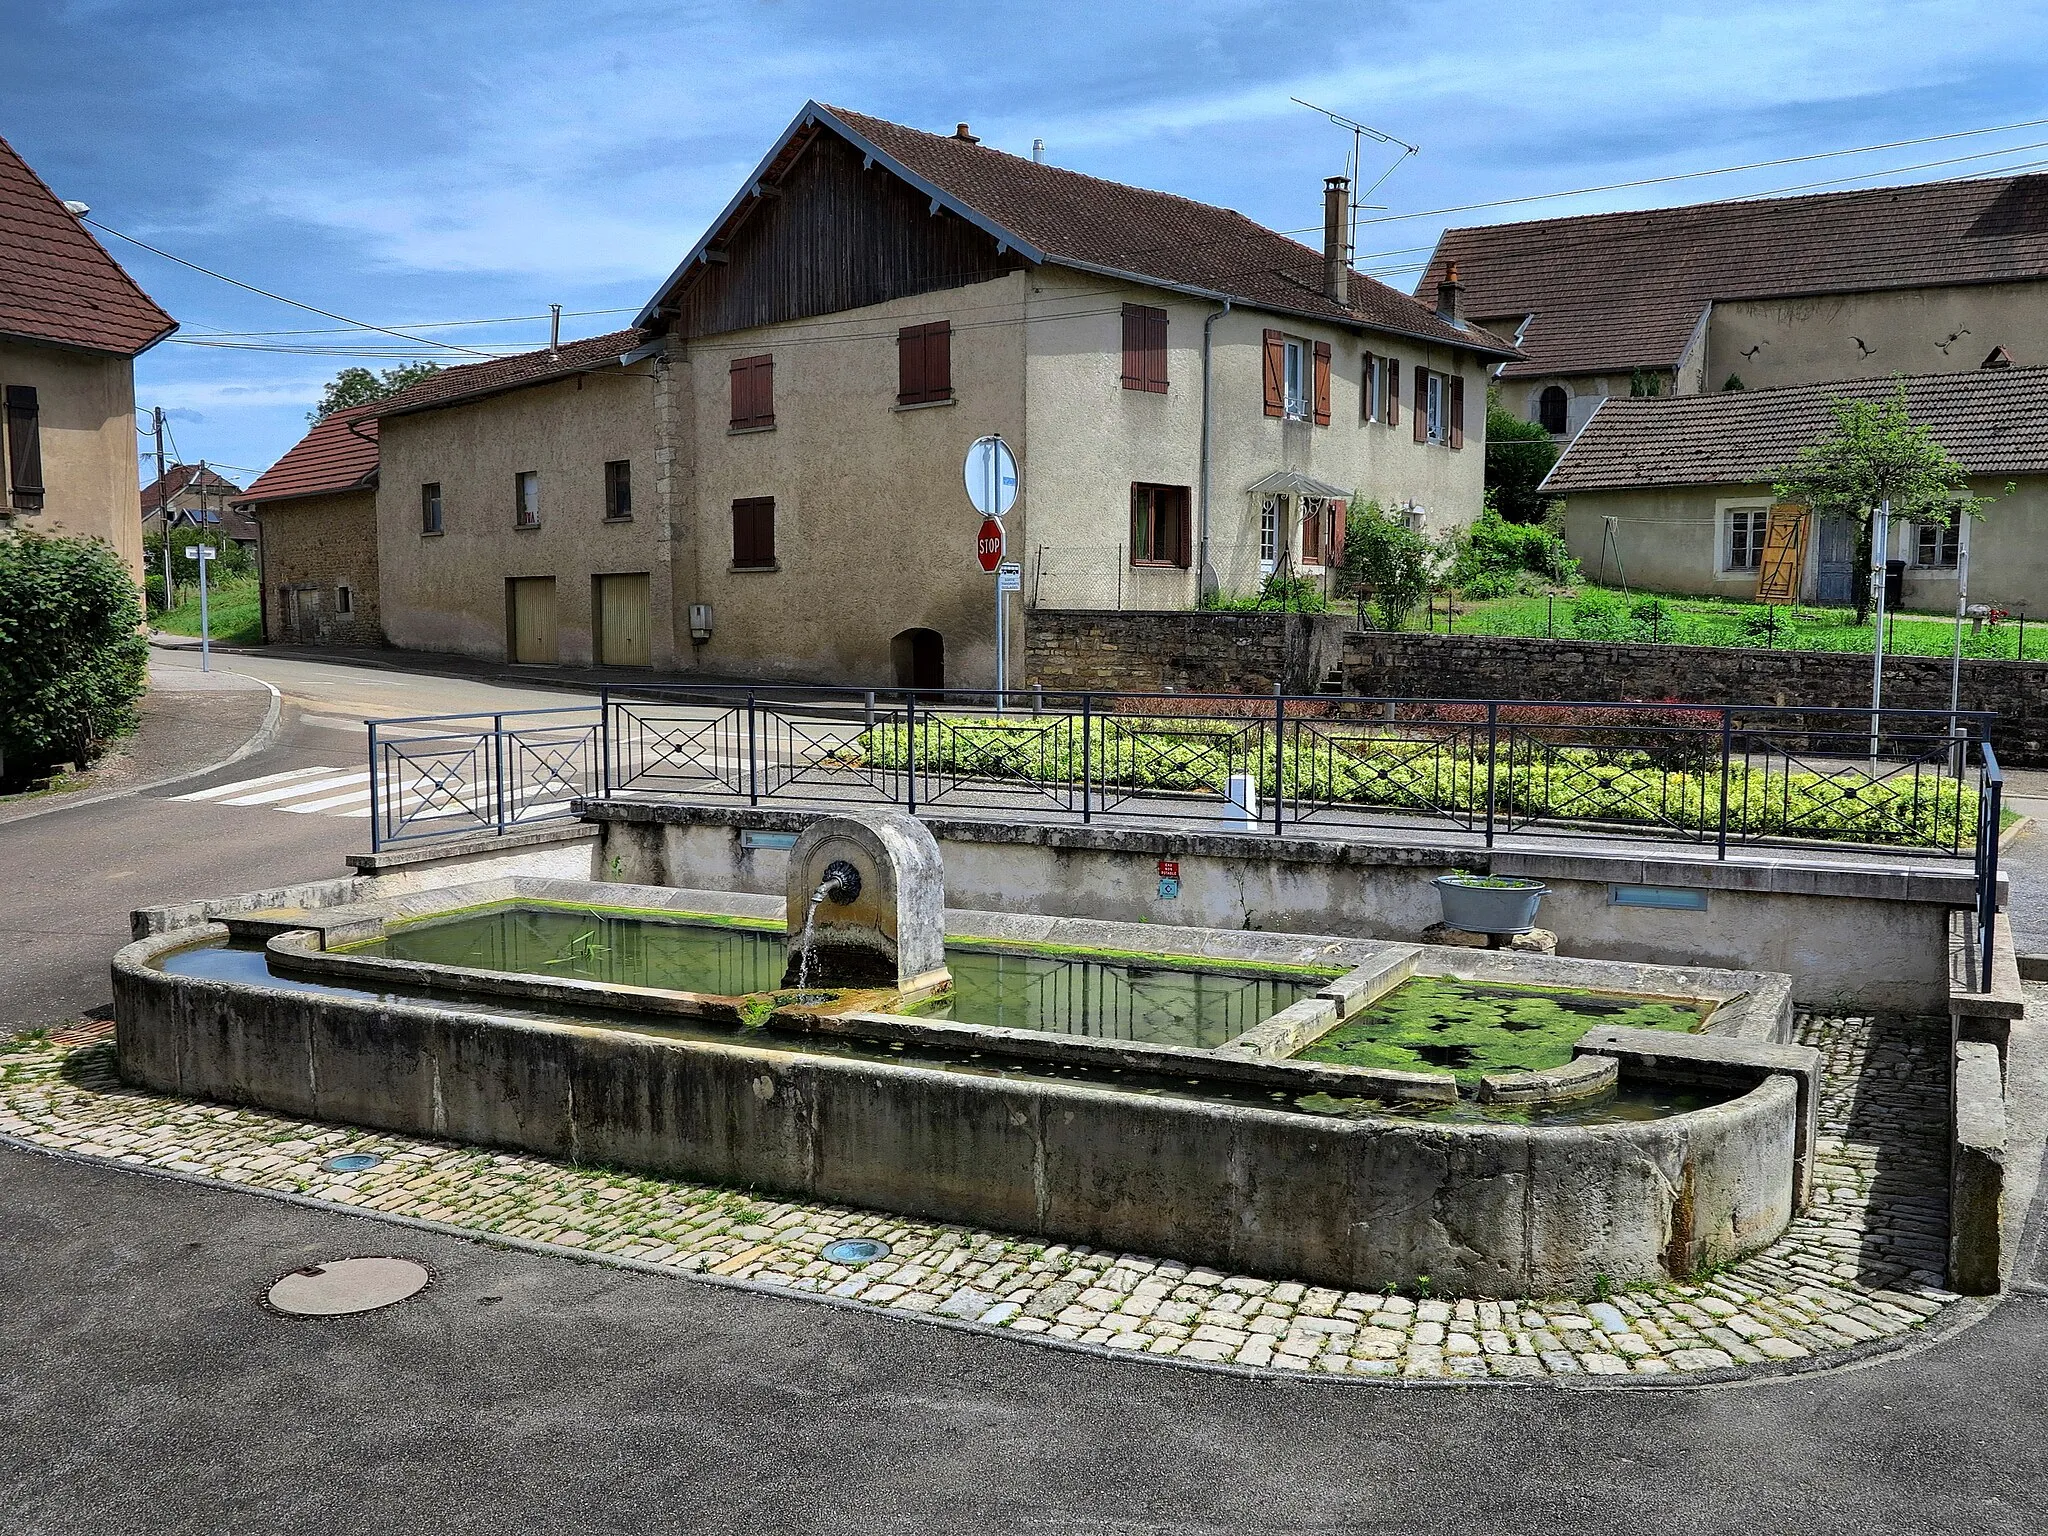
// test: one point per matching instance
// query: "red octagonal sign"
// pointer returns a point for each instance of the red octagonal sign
(988, 544)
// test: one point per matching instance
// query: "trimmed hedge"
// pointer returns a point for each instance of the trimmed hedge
(1359, 766)
(72, 664)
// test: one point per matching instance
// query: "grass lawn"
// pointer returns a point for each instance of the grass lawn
(1600, 613)
(234, 612)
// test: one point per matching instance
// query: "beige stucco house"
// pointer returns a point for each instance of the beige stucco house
(1759, 294)
(315, 512)
(1191, 399)
(72, 323)
(1674, 495)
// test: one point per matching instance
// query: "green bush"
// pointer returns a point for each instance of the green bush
(1385, 557)
(1278, 593)
(71, 662)
(1599, 615)
(1497, 558)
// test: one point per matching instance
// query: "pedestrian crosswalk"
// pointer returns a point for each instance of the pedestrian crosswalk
(304, 791)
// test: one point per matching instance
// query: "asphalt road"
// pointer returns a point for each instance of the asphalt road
(144, 1389)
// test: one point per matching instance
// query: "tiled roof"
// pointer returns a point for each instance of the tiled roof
(339, 454)
(1065, 218)
(59, 284)
(1615, 291)
(178, 479)
(1994, 421)
(503, 373)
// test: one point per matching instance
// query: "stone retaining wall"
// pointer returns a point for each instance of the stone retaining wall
(1180, 652)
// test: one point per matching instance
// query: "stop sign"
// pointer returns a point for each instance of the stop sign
(988, 544)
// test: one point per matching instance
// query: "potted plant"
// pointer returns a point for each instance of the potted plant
(1489, 903)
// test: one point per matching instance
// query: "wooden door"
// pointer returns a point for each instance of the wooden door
(1836, 576)
(530, 601)
(622, 621)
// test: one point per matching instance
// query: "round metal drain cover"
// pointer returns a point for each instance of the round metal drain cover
(352, 1162)
(342, 1286)
(855, 1250)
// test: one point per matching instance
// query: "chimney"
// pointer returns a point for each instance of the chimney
(1337, 240)
(964, 136)
(1038, 151)
(554, 328)
(1450, 295)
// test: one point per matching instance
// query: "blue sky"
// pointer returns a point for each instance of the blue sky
(413, 162)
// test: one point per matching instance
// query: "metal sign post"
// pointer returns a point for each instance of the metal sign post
(991, 476)
(202, 553)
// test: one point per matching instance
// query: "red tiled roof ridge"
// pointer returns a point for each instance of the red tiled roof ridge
(467, 380)
(334, 455)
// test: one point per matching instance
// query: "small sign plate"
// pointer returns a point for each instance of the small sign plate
(1169, 889)
(1010, 578)
(1169, 869)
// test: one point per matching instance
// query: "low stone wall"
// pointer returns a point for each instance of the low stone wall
(1116, 652)
(1872, 937)
(1484, 1210)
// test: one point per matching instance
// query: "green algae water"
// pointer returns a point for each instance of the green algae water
(1472, 1028)
(1168, 1004)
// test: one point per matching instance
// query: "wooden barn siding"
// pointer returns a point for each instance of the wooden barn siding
(838, 238)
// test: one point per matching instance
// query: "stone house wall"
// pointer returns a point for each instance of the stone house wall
(314, 546)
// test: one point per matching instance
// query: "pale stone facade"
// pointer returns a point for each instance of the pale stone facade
(86, 406)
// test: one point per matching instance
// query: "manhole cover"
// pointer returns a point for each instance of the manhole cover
(342, 1286)
(352, 1162)
(855, 1250)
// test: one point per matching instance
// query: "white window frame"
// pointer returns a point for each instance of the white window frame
(1757, 520)
(526, 509)
(1949, 533)
(1299, 386)
(1375, 384)
(1272, 524)
(1438, 395)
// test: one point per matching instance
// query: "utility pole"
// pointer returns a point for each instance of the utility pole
(1880, 551)
(162, 512)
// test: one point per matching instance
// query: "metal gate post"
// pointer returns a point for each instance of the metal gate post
(604, 742)
(498, 768)
(1492, 754)
(376, 803)
(1087, 752)
(753, 756)
(1727, 749)
(910, 751)
(1279, 783)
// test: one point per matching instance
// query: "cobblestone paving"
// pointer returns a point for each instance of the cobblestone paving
(1865, 1263)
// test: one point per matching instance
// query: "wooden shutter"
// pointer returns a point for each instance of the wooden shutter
(1457, 410)
(1134, 346)
(1422, 405)
(924, 363)
(938, 360)
(1183, 544)
(910, 365)
(1322, 384)
(1339, 511)
(1393, 391)
(1276, 374)
(753, 531)
(1366, 391)
(24, 449)
(1155, 351)
(753, 392)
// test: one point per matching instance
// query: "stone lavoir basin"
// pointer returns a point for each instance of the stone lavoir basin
(1353, 1112)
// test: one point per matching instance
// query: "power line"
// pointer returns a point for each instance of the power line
(1725, 170)
(418, 325)
(266, 293)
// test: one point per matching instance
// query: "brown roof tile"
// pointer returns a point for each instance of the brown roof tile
(59, 284)
(339, 454)
(1995, 422)
(503, 373)
(1075, 220)
(1615, 291)
(179, 478)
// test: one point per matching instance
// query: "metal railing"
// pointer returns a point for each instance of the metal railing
(1990, 823)
(1729, 776)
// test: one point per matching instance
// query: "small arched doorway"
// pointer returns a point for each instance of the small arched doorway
(920, 658)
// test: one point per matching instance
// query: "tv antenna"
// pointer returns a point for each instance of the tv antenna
(1354, 167)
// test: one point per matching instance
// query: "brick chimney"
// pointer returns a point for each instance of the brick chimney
(1337, 240)
(964, 136)
(1450, 294)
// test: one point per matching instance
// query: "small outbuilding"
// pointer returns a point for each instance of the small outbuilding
(317, 511)
(1675, 494)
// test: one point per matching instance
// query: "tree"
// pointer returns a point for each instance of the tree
(359, 386)
(1875, 453)
(71, 659)
(1518, 455)
(1390, 560)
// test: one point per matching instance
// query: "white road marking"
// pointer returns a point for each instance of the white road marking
(293, 791)
(241, 784)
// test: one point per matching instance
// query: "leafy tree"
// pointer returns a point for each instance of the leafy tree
(1385, 557)
(1518, 455)
(1876, 452)
(1497, 558)
(1645, 385)
(359, 386)
(71, 659)
(1734, 383)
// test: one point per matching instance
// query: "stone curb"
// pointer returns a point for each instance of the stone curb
(266, 733)
(1955, 1317)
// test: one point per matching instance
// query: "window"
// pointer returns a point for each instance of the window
(1159, 525)
(1322, 530)
(1298, 402)
(1937, 544)
(1439, 415)
(1551, 410)
(24, 440)
(618, 490)
(1746, 538)
(924, 363)
(430, 507)
(526, 499)
(344, 601)
(753, 393)
(1271, 512)
(1372, 380)
(1144, 349)
(753, 534)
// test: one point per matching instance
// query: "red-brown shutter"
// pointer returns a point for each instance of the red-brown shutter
(1155, 352)
(1311, 534)
(1393, 391)
(924, 363)
(1457, 410)
(753, 531)
(1276, 374)
(1134, 347)
(753, 392)
(1322, 384)
(25, 448)
(1339, 512)
(1366, 402)
(1422, 405)
(1183, 544)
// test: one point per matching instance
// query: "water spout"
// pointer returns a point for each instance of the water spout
(841, 884)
